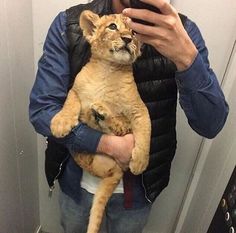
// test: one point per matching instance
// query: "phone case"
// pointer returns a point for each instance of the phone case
(140, 5)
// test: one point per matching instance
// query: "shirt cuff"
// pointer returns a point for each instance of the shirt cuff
(85, 139)
(194, 77)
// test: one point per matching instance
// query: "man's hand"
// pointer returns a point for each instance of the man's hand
(168, 36)
(120, 148)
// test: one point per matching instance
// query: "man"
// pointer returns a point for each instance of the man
(174, 57)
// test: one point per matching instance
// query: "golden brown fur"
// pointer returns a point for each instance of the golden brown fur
(105, 96)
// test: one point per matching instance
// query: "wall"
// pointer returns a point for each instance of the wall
(217, 21)
(18, 160)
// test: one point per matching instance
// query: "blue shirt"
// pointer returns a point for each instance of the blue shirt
(200, 96)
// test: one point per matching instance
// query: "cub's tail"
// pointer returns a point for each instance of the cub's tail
(101, 197)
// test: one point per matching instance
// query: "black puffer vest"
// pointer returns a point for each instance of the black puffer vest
(155, 78)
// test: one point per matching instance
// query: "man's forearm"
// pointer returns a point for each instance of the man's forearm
(202, 99)
(81, 139)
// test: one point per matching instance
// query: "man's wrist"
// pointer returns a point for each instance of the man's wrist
(186, 59)
(195, 77)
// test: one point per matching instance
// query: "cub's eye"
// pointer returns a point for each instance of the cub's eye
(112, 26)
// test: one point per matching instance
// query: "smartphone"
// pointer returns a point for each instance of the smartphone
(141, 5)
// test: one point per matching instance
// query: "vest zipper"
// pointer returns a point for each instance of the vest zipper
(54, 180)
(145, 191)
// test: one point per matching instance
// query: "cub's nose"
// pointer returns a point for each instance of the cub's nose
(126, 40)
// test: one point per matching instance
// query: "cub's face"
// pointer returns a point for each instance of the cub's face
(110, 37)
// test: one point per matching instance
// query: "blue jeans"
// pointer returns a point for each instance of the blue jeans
(74, 216)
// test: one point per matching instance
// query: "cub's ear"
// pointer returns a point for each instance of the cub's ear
(87, 22)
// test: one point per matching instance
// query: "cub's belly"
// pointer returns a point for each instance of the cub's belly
(110, 96)
(108, 100)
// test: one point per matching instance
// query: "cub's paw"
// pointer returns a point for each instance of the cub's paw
(139, 162)
(61, 124)
(99, 111)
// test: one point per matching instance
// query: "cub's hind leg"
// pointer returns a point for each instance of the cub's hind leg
(85, 161)
(108, 121)
(98, 165)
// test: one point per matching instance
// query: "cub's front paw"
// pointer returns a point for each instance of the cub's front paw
(61, 124)
(139, 162)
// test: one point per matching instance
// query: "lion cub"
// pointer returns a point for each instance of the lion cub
(105, 97)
